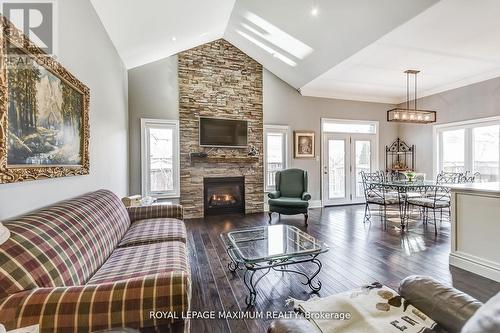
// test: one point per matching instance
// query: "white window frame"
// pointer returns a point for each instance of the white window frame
(173, 124)
(468, 125)
(285, 130)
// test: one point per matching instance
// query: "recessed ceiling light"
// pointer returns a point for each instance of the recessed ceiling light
(174, 39)
(314, 11)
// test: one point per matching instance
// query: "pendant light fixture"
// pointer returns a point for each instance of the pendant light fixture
(407, 115)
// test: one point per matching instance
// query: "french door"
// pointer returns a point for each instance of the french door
(344, 157)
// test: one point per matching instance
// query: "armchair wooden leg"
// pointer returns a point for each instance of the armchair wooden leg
(306, 216)
(270, 217)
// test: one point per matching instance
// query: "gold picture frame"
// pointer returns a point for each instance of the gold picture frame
(304, 144)
(49, 137)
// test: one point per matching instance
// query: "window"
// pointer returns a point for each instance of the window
(453, 143)
(160, 158)
(486, 151)
(275, 153)
(470, 146)
(349, 126)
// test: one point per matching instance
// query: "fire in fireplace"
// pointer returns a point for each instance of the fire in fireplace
(224, 195)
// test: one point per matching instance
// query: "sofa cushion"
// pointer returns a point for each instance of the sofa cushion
(154, 231)
(138, 261)
(289, 202)
(486, 319)
(63, 244)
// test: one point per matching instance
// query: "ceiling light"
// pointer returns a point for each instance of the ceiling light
(407, 115)
(314, 11)
(174, 39)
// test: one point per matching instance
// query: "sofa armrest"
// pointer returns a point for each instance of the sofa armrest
(155, 211)
(89, 308)
(274, 194)
(306, 196)
(299, 325)
(447, 306)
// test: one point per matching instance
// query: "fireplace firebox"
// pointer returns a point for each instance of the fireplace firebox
(224, 195)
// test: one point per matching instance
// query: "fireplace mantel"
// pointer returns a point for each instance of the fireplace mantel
(226, 159)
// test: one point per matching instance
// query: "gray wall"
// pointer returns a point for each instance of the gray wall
(471, 102)
(153, 93)
(283, 105)
(86, 51)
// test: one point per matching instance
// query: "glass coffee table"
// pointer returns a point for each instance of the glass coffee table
(274, 247)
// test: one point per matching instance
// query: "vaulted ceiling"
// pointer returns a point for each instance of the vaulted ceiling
(355, 49)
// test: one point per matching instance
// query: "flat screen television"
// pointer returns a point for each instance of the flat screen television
(215, 132)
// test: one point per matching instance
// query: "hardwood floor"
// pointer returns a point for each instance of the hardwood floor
(359, 254)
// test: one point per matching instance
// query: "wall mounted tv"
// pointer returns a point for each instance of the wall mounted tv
(216, 132)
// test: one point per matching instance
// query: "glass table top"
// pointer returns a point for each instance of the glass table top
(271, 242)
(406, 183)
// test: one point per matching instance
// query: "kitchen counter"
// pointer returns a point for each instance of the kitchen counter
(492, 187)
(475, 228)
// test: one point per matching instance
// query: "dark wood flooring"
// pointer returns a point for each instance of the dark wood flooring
(359, 254)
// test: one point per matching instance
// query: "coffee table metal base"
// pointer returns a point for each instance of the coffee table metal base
(281, 265)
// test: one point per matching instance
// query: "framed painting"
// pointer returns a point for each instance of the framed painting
(303, 144)
(44, 113)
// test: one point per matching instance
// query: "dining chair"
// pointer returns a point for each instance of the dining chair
(377, 194)
(436, 198)
(469, 177)
(449, 177)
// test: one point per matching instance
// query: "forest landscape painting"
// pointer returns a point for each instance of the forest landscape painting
(44, 114)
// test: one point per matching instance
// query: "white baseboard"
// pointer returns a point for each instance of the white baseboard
(312, 204)
(315, 204)
(475, 265)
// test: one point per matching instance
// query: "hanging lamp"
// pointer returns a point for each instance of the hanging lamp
(408, 115)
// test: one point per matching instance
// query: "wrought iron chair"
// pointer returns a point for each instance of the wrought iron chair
(469, 177)
(435, 198)
(377, 194)
(449, 177)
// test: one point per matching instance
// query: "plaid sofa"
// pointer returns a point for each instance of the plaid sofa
(89, 264)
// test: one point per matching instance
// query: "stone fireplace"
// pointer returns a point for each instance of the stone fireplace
(218, 80)
(224, 195)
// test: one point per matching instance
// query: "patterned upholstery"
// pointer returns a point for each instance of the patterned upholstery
(155, 211)
(429, 202)
(61, 245)
(132, 262)
(154, 231)
(96, 307)
(383, 201)
(62, 267)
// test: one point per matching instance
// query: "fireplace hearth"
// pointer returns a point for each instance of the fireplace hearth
(224, 195)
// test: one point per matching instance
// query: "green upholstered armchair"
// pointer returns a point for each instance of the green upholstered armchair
(291, 195)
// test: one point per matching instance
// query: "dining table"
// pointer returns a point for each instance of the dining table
(405, 189)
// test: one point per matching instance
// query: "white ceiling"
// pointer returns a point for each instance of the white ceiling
(144, 31)
(354, 49)
(340, 29)
(454, 43)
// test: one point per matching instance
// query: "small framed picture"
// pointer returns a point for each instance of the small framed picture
(303, 144)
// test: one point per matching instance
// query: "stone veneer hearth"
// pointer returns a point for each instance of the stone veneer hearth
(218, 80)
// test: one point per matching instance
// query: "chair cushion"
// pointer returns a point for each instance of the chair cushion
(389, 200)
(486, 319)
(291, 183)
(154, 231)
(289, 202)
(429, 202)
(138, 261)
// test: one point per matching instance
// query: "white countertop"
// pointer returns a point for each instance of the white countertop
(492, 187)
